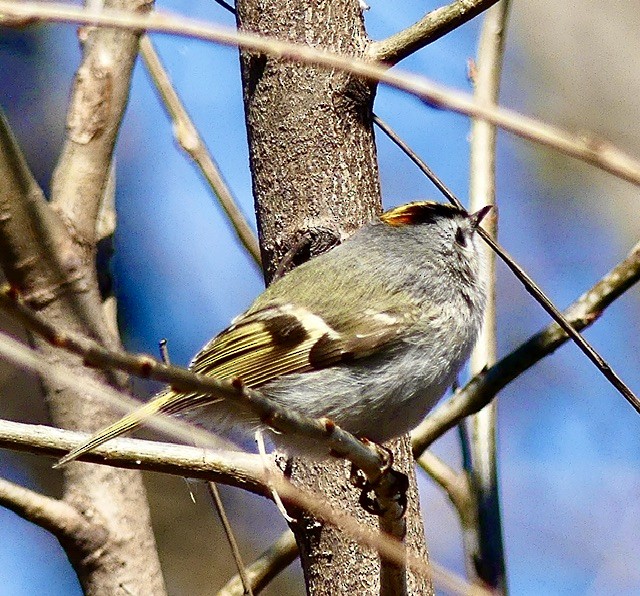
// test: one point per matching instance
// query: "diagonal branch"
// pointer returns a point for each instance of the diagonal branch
(190, 140)
(338, 442)
(483, 387)
(541, 298)
(587, 148)
(267, 566)
(428, 29)
(231, 537)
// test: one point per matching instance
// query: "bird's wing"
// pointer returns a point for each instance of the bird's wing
(273, 340)
(280, 339)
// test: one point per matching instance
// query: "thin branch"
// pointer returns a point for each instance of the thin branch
(455, 484)
(589, 149)
(233, 468)
(190, 140)
(226, 6)
(98, 100)
(585, 347)
(266, 567)
(338, 442)
(483, 544)
(231, 538)
(483, 387)
(428, 29)
(58, 517)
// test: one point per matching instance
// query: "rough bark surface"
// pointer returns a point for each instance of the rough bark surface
(311, 143)
(48, 255)
(315, 181)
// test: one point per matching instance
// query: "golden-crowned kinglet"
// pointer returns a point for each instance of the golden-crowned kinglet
(369, 334)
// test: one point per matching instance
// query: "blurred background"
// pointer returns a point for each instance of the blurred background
(569, 444)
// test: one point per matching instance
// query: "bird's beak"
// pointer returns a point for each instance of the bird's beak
(478, 216)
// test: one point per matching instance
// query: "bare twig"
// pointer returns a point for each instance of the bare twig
(61, 519)
(338, 441)
(393, 577)
(226, 6)
(190, 140)
(231, 539)
(483, 544)
(99, 97)
(585, 347)
(236, 469)
(587, 148)
(428, 29)
(484, 386)
(266, 567)
(232, 468)
(455, 484)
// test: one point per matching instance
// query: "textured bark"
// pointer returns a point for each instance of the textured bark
(315, 181)
(48, 254)
(311, 143)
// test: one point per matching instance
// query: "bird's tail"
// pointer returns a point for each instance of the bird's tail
(164, 403)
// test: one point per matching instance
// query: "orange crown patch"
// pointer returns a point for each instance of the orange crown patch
(419, 212)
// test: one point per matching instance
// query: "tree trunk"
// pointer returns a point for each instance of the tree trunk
(315, 181)
(47, 252)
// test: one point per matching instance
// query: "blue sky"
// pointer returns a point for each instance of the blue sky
(569, 444)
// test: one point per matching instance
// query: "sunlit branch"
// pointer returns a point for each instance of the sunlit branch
(190, 140)
(428, 29)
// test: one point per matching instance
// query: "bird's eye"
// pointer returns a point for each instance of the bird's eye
(461, 238)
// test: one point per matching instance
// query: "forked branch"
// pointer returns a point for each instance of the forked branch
(428, 29)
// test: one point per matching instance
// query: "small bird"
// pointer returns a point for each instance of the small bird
(369, 334)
